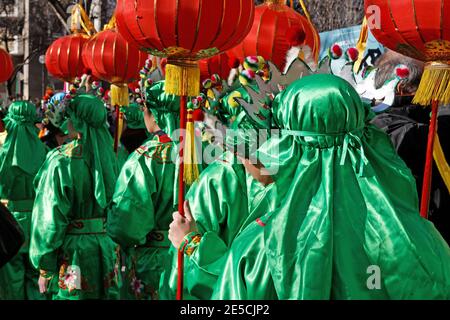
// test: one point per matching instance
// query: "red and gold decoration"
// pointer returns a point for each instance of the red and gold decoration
(113, 59)
(268, 36)
(6, 65)
(184, 31)
(219, 65)
(419, 29)
(63, 57)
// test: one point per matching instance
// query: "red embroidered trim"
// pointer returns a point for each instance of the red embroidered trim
(164, 138)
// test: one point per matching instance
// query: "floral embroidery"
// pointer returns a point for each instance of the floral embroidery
(70, 278)
(112, 278)
(137, 286)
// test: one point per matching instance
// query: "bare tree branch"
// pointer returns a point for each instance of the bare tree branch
(60, 12)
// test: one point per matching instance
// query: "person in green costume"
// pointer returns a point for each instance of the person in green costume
(143, 201)
(69, 245)
(20, 159)
(348, 227)
(229, 194)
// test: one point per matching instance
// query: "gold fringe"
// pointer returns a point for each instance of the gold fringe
(182, 78)
(119, 95)
(191, 171)
(435, 85)
(441, 162)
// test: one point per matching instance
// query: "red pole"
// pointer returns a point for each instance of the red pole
(116, 134)
(426, 188)
(183, 106)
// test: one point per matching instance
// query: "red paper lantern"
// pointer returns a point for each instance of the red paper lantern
(215, 65)
(63, 58)
(113, 59)
(419, 29)
(269, 34)
(6, 65)
(189, 29)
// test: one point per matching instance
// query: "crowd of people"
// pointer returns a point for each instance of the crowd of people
(313, 190)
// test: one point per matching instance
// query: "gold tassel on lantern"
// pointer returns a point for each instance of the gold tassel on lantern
(435, 85)
(119, 95)
(191, 171)
(119, 98)
(182, 78)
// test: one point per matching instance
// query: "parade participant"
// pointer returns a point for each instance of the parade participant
(350, 211)
(20, 159)
(143, 201)
(407, 125)
(229, 194)
(69, 245)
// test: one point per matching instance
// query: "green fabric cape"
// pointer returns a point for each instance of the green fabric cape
(349, 204)
(88, 117)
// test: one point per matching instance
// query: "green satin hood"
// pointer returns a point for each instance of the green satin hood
(347, 202)
(22, 147)
(134, 117)
(321, 104)
(88, 117)
(165, 107)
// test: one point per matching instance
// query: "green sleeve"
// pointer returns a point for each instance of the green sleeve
(246, 274)
(219, 205)
(50, 213)
(132, 216)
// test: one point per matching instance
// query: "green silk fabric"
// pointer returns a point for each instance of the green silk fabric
(134, 116)
(88, 117)
(164, 107)
(20, 158)
(348, 205)
(73, 188)
(22, 149)
(143, 202)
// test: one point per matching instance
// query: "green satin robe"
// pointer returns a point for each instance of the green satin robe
(20, 158)
(68, 237)
(18, 278)
(223, 201)
(141, 213)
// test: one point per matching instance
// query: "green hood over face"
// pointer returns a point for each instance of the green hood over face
(164, 107)
(88, 117)
(22, 147)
